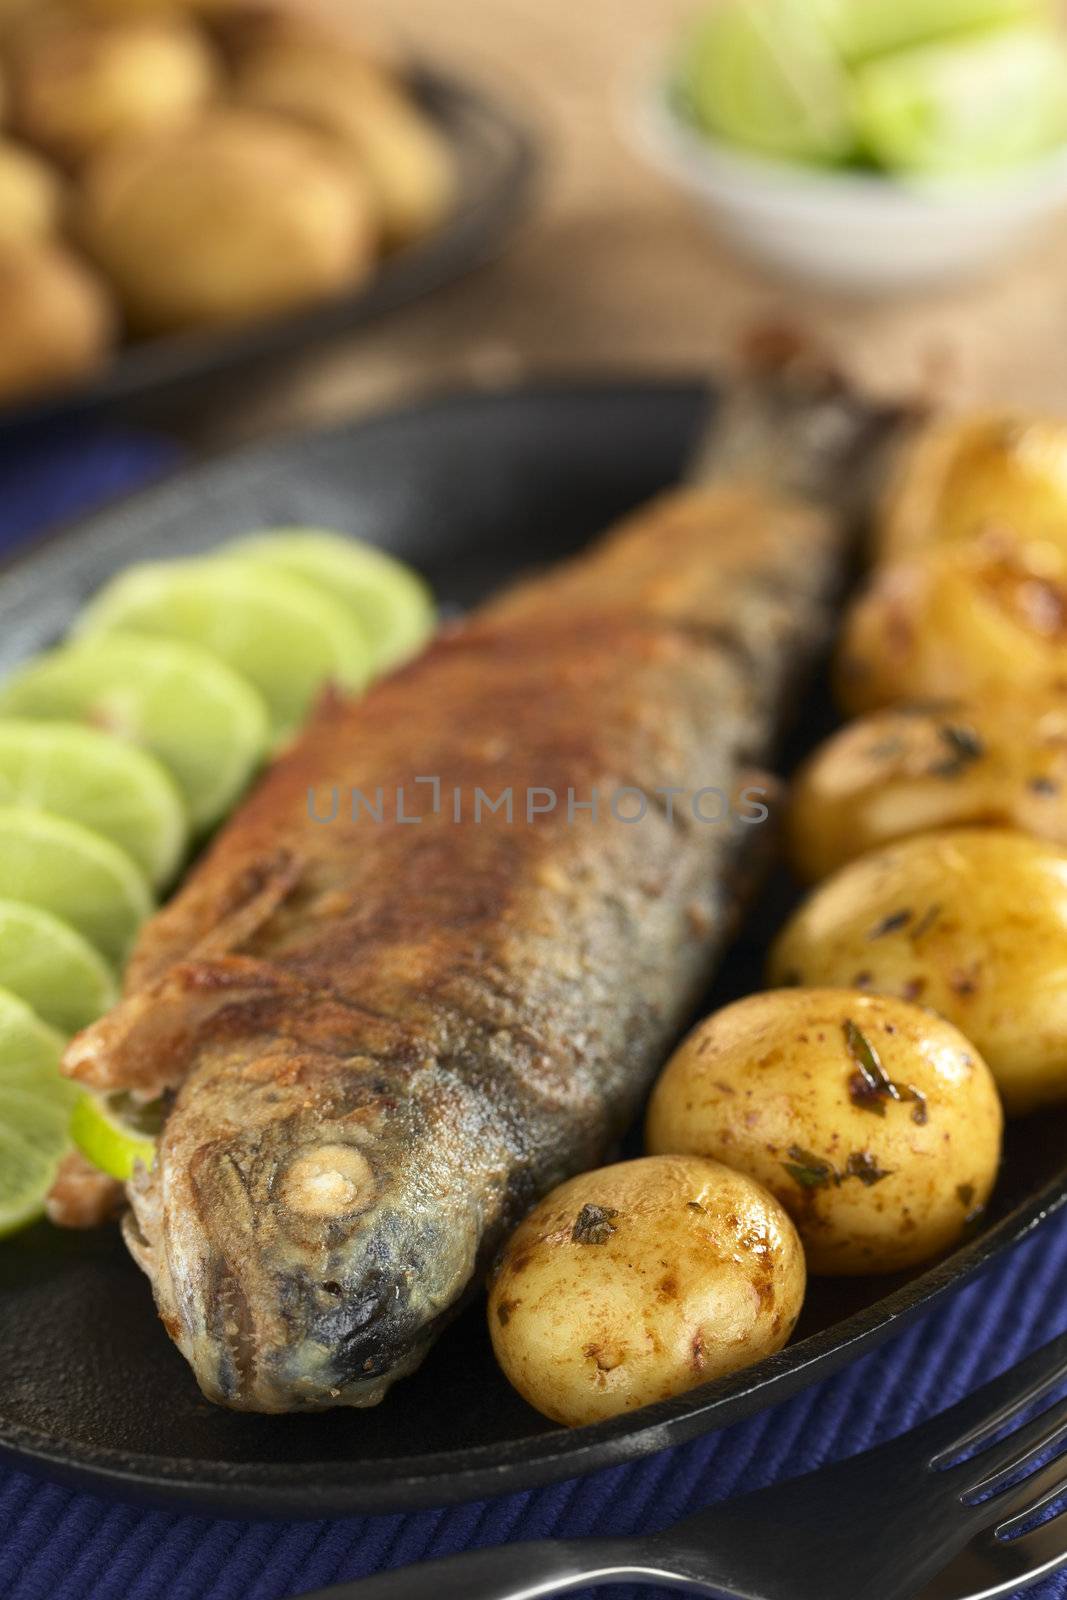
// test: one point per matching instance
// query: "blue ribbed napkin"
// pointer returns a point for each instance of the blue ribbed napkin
(57, 1545)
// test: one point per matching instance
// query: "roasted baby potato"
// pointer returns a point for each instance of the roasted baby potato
(57, 318)
(232, 219)
(83, 84)
(963, 477)
(1001, 762)
(876, 1124)
(406, 161)
(971, 922)
(31, 194)
(640, 1281)
(956, 622)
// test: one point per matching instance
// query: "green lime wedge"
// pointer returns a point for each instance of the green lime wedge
(52, 968)
(392, 606)
(100, 781)
(860, 29)
(114, 1133)
(966, 109)
(35, 1111)
(76, 875)
(202, 721)
(763, 74)
(278, 631)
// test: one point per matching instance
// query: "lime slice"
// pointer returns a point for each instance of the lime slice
(76, 875)
(968, 108)
(52, 968)
(861, 29)
(35, 1111)
(205, 724)
(391, 604)
(114, 1133)
(276, 630)
(30, 1052)
(26, 1176)
(97, 780)
(765, 75)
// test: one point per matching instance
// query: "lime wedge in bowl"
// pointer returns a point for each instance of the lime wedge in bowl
(115, 1133)
(201, 720)
(52, 968)
(100, 781)
(766, 76)
(859, 29)
(279, 632)
(36, 1103)
(970, 109)
(79, 877)
(390, 603)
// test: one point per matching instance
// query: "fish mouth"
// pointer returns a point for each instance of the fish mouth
(319, 1346)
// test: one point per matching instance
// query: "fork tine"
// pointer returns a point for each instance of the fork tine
(1030, 1495)
(998, 1462)
(1044, 1547)
(968, 1425)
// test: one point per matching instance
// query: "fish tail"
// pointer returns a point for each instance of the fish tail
(793, 424)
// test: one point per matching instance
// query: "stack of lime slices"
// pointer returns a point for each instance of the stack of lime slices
(118, 751)
(922, 88)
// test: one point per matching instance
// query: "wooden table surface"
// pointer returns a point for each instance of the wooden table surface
(614, 272)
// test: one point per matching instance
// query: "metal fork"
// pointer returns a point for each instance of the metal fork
(941, 1513)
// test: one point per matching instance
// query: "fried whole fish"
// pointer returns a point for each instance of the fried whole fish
(388, 1037)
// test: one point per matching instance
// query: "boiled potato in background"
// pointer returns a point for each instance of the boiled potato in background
(639, 1281)
(876, 1124)
(958, 621)
(81, 85)
(408, 165)
(894, 773)
(244, 25)
(964, 477)
(216, 162)
(31, 194)
(970, 922)
(57, 318)
(233, 218)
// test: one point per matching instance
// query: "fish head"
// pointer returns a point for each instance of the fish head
(303, 1260)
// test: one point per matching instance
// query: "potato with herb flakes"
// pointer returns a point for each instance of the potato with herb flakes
(956, 622)
(639, 1281)
(962, 477)
(890, 774)
(971, 922)
(233, 219)
(84, 83)
(876, 1124)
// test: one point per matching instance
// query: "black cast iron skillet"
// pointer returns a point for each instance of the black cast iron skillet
(496, 158)
(91, 1389)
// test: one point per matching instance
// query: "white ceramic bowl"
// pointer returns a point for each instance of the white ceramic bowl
(850, 231)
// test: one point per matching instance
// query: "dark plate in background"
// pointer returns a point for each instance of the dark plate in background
(91, 1389)
(497, 162)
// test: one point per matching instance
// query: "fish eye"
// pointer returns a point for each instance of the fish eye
(329, 1181)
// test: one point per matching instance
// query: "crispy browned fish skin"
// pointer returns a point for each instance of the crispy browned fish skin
(394, 1037)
